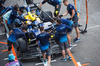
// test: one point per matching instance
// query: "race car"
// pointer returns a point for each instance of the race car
(30, 49)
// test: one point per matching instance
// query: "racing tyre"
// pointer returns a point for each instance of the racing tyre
(22, 45)
(45, 17)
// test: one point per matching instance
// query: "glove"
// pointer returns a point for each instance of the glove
(69, 18)
(56, 13)
(60, 16)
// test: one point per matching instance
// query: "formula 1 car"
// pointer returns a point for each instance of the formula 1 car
(30, 49)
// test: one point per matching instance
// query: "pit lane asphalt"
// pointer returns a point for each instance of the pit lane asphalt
(87, 51)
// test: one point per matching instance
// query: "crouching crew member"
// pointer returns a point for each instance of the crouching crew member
(15, 34)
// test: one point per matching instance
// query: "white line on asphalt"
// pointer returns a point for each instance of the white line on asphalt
(74, 45)
(7, 35)
(43, 63)
(5, 58)
(93, 27)
(38, 63)
(2, 33)
(79, 64)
